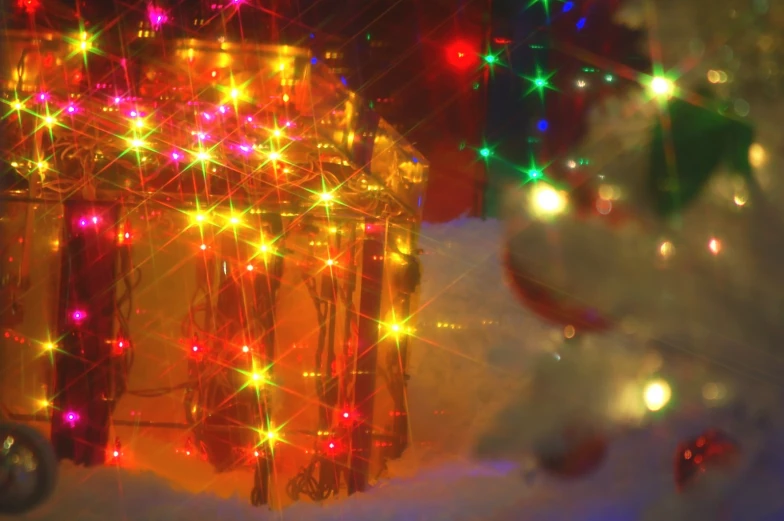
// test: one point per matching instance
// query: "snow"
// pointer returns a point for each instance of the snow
(496, 375)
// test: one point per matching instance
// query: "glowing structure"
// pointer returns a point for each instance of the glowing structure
(223, 221)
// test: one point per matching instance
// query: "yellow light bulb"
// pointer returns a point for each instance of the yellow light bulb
(274, 156)
(235, 93)
(326, 196)
(547, 201)
(49, 120)
(657, 395)
(662, 87)
(49, 346)
(17, 105)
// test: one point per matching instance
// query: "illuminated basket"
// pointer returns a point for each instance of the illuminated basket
(221, 172)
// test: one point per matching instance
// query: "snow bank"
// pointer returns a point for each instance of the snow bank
(478, 367)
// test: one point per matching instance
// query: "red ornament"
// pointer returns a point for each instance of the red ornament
(576, 452)
(711, 450)
(548, 304)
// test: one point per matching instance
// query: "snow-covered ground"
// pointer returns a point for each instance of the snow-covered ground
(507, 382)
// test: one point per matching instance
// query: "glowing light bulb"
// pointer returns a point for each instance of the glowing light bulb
(657, 395)
(714, 245)
(49, 346)
(330, 262)
(249, 267)
(203, 156)
(548, 201)
(662, 87)
(326, 196)
(274, 156)
(666, 249)
(245, 349)
(49, 120)
(235, 93)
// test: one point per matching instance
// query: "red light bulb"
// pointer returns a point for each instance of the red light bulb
(461, 55)
(29, 6)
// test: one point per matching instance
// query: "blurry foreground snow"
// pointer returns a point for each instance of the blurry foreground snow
(478, 370)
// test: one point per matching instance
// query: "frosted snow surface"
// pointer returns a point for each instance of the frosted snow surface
(481, 372)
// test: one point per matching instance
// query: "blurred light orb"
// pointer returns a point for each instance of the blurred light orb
(758, 156)
(547, 201)
(657, 395)
(569, 331)
(666, 249)
(713, 391)
(714, 245)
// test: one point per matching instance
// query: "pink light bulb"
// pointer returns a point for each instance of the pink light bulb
(82, 222)
(175, 156)
(78, 315)
(71, 109)
(156, 15)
